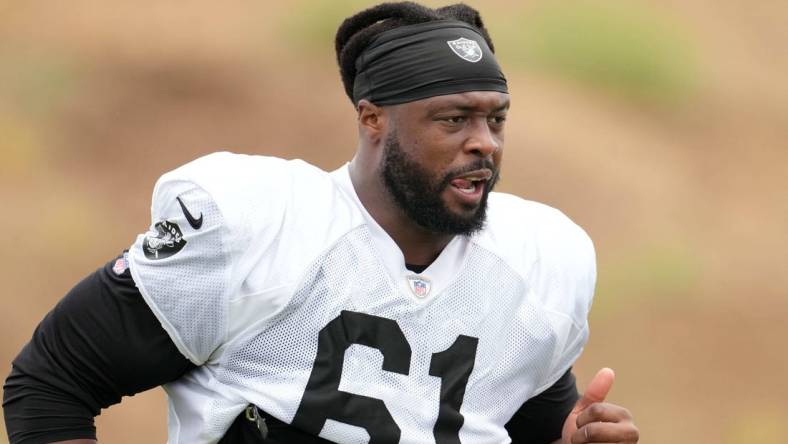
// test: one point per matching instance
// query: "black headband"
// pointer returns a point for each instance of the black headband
(424, 60)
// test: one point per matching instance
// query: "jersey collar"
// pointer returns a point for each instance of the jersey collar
(440, 274)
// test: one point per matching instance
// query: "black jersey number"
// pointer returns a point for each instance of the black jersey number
(322, 399)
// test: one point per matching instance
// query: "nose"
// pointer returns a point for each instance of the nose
(482, 141)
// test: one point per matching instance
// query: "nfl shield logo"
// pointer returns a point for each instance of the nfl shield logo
(121, 265)
(419, 286)
(467, 49)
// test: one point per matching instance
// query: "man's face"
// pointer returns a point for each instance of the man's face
(442, 157)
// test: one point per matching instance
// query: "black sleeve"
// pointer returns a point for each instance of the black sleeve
(101, 342)
(541, 418)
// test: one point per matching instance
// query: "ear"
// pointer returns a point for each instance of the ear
(372, 121)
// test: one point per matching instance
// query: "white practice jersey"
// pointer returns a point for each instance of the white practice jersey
(272, 277)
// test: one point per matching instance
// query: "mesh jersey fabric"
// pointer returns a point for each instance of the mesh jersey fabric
(286, 252)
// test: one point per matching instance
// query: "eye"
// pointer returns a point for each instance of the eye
(497, 120)
(455, 119)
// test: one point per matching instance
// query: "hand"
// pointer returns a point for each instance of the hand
(595, 421)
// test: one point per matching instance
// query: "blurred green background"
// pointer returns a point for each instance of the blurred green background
(660, 127)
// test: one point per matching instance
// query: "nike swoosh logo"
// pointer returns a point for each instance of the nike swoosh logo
(195, 223)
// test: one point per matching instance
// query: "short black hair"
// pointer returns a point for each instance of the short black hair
(357, 31)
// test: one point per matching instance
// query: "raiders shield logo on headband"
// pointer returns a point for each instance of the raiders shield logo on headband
(467, 49)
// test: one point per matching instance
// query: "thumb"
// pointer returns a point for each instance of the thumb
(597, 389)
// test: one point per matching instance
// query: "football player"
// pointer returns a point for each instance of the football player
(394, 300)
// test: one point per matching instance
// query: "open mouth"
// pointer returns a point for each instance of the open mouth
(467, 186)
(471, 183)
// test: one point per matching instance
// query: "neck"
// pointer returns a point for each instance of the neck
(418, 245)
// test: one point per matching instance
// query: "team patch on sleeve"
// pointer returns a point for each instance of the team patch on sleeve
(165, 242)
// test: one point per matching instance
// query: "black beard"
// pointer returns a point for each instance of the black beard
(420, 197)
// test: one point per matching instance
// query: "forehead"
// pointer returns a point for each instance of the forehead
(480, 101)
